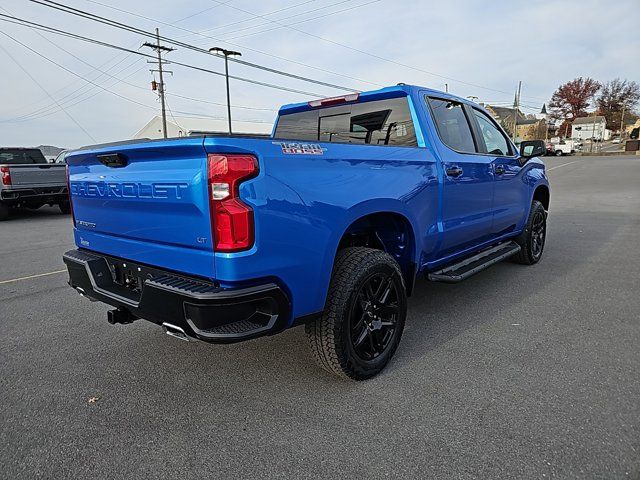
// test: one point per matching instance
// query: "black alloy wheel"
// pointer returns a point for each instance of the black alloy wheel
(373, 316)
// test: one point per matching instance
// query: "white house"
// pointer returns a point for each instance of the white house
(185, 126)
(584, 128)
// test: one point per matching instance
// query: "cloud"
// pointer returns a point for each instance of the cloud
(491, 45)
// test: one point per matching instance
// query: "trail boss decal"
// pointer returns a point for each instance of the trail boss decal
(295, 148)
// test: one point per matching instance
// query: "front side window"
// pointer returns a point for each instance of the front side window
(452, 124)
(494, 140)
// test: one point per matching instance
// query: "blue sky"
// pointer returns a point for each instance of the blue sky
(479, 48)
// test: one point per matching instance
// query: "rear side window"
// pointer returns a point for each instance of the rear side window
(380, 122)
(494, 139)
(10, 156)
(452, 124)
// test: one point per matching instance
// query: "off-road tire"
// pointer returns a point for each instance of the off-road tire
(330, 335)
(529, 254)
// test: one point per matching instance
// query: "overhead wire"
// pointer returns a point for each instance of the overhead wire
(217, 39)
(139, 31)
(20, 21)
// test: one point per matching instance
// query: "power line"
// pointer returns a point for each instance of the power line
(83, 84)
(218, 39)
(20, 21)
(301, 21)
(139, 31)
(42, 88)
(273, 12)
(104, 88)
(307, 12)
(198, 12)
(69, 100)
(121, 80)
(84, 14)
(373, 55)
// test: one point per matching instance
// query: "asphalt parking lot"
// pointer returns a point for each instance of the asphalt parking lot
(519, 372)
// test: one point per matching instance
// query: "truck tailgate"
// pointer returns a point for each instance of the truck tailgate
(146, 202)
(37, 175)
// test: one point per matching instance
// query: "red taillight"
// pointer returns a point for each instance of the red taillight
(73, 218)
(231, 219)
(6, 175)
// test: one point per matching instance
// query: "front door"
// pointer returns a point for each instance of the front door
(510, 201)
(468, 183)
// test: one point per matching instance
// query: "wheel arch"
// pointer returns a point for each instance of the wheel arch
(384, 228)
(542, 193)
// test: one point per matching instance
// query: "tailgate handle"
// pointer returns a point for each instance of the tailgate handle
(113, 160)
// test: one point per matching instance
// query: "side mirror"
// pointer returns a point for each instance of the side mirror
(532, 148)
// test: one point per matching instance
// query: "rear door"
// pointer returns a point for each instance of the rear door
(510, 191)
(145, 201)
(468, 179)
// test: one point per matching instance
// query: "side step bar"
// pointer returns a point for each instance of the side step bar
(463, 269)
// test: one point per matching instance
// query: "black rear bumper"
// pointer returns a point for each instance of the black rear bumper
(201, 309)
(41, 195)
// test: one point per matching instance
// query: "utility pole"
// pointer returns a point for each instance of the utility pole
(227, 54)
(624, 106)
(160, 49)
(446, 87)
(516, 107)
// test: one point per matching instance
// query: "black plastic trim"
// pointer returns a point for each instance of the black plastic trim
(465, 268)
(202, 309)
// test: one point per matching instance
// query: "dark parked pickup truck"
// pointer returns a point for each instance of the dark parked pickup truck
(328, 223)
(27, 180)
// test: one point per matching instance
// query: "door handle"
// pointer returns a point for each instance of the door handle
(500, 169)
(454, 172)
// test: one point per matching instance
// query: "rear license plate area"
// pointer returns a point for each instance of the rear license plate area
(129, 276)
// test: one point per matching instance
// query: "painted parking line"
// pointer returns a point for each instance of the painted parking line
(563, 165)
(38, 275)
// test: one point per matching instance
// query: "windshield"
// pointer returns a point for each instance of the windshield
(18, 156)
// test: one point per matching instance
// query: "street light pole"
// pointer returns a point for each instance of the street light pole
(226, 54)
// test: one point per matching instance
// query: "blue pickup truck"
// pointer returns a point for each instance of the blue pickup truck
(327, 223)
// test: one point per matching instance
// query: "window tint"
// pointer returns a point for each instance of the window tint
(335, 128)
(452, 124)
(17, 157)
(380, 122)
(493, 138)
(298, 126)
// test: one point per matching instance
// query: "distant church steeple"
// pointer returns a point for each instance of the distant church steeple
(543, 115)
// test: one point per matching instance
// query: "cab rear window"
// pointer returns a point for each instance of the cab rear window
(10, 156)
(379, 122)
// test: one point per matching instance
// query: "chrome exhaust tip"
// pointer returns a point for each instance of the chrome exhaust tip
(175, 331)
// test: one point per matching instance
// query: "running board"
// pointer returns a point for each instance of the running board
(463, 269)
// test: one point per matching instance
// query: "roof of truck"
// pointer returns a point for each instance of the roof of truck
(386, 92)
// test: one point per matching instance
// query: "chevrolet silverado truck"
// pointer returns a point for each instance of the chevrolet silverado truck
(27, 180)
(327, 223)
